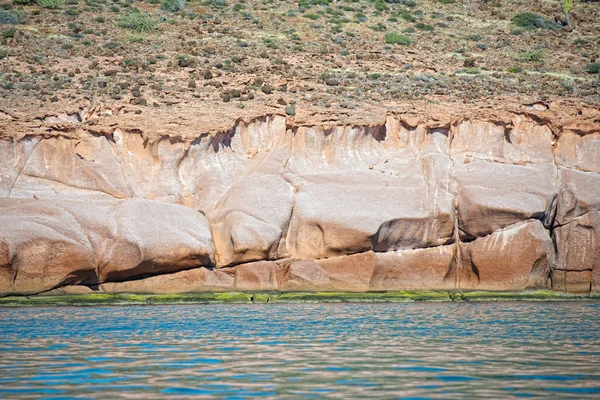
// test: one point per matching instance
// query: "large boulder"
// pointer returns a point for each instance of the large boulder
(48, 244)
(515, 258)
(249, 222)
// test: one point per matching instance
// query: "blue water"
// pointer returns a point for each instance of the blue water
(312, 351)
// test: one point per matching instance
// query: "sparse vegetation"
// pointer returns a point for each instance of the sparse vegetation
(397, 38)
(536, 55)
(10, 17)
(138, 21)
(172, 5)
(531, 21)
(51, 4)
(593, 68)
(366, 47)
(9, 33)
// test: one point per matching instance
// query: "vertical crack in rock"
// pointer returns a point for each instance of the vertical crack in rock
(455, 270)
(24, 165)
(99, 267)
(113, 145)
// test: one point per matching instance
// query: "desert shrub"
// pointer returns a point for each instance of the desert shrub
(408, 17)
(8, 17)
(397, 38)
(172, 5)
(136, 38)
(50, 4)
(4, 52)
(216, 3)
(515, 70)
(531, 21)
(138, 21)
(473, 70)
(593, 68)
(23, 2)
(379, 27)
(312, 16)
(381, 6)
(424, 27)
(9, 33)
(536, 55)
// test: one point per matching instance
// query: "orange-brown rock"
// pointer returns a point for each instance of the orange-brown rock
(492, 199)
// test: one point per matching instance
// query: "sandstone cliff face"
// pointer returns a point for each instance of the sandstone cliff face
(269, 205)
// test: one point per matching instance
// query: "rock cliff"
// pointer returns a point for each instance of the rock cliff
(478, 201)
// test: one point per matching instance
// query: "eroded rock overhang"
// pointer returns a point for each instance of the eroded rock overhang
(403, 203)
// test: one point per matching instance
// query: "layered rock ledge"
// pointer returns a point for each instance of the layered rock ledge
(275, 204)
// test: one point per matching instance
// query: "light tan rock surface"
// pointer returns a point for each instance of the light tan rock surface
(490, 200)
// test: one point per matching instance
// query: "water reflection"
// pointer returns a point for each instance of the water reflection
(439, 350)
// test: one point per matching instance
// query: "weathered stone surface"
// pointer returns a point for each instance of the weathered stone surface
(260, 275)
(579, 151)
(154, 237)
(523, 143)
(573, 281)
(492, 196)
(577, 231)
(46, 244)
(515, 258)
(338, 214)
(414, 269)
(43, 246)
(403, 203)
(190, 281)
(249, 221)
(351, 273)
(289, 275)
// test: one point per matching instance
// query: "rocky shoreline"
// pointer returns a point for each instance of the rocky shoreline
(470, 199)
(278, 297)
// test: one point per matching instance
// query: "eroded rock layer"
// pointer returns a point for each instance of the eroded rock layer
(267, 205)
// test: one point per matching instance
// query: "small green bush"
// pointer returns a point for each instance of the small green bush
(397, 38)
(379, 27)
(23, 2)
(138, 21)
(9, 33)
(514, 70)
(536, 55)
(8, 17)
(531, 21)
(4, 52)
(381, 6)
(473, 71)
(50, 4)
(424, 27)
(172, 5)
(216, 3)
(135, 38)
(593, 68)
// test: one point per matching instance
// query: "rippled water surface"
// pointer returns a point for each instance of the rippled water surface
(418, 350)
